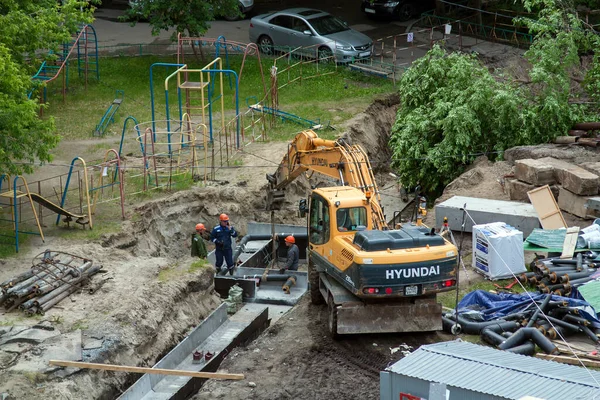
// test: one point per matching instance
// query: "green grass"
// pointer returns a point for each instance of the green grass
(101, 227)
(312, 98)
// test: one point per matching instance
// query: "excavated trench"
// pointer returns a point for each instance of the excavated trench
(159, 314)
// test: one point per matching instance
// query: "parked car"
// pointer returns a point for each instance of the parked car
(402, 10)
(245, 6)
(326, 36)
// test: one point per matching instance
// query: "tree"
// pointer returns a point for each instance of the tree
(28, 30)
(191, 16)
(453, 109)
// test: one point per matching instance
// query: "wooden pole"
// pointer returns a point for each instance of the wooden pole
(142, 370)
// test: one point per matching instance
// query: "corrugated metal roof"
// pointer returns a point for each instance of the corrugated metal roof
(498, 373)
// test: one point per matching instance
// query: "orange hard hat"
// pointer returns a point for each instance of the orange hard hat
(223, 217)
(290, 239)
(199, 227)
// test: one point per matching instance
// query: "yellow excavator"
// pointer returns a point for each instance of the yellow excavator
(373, 278)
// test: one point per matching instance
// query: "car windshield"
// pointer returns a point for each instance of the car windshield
(328, 24)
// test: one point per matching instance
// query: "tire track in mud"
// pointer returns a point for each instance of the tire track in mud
(352, 351)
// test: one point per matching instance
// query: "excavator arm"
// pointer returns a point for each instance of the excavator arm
(336, 159)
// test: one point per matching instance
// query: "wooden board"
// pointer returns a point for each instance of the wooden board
(142, 370)
(570, 242)
(569, 360)
(545, 205)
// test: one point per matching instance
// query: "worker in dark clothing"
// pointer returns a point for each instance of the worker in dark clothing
(221, 236)
(198, 245)
(293, 255)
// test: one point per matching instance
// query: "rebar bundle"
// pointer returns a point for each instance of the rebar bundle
(53, 276)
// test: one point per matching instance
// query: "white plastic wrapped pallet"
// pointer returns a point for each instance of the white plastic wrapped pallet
(498, 250)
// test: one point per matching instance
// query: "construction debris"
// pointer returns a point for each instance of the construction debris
(53, 276)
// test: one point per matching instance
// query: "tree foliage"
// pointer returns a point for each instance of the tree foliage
(29, 29)
(453, 109)
(184, 16)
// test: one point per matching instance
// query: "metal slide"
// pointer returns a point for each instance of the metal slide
(80, 219)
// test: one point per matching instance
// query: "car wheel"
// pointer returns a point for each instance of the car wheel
(406, 11)
(265, 44)
(325, 55)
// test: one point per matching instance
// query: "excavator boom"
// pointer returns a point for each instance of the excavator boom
(336, 159)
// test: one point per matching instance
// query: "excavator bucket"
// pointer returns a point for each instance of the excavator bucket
(422, 316)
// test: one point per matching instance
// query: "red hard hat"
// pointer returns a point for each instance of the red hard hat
(223, 217)
(200, 227)
(290, 239)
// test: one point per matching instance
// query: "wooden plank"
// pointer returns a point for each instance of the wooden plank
(569, 360)
(545, 205)
(570, 242)
(142, 370)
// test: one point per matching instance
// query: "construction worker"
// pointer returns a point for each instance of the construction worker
(198, 245)
(221, 236)
(293, 255)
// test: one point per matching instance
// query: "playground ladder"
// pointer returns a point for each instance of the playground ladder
(108, 116)
(85, 42)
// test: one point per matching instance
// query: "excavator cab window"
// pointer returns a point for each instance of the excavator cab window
(349, 219)
(319, 220)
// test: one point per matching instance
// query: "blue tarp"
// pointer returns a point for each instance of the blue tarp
(491, 306)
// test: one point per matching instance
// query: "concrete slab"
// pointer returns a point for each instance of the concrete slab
(519, 215)
(534, 172)
(576, 205)
(61, 347)
(217, 334)
(517, 190)
(33, 336)
(17, 348)
(93, 344)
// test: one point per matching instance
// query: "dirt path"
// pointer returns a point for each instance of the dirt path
(296, 359)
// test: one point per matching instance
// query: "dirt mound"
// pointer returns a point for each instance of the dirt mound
(372, 130)
(484, 179)
(164, 226)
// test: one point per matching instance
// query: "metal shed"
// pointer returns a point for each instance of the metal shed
(473, 372)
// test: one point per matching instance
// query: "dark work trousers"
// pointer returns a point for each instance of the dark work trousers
(227, 254)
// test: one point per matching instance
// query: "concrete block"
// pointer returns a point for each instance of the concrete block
(579, 181)
(483, 211)
(593, 167)
(577, 205)
(534, 172)
(573, 177)
(517, 190)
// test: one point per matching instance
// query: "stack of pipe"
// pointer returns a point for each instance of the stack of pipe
(584, 133)
(521, 332)
(53, 276)
(560, 276)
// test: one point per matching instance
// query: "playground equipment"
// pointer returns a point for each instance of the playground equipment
(109, 115)
(15, 197)
(84, 44)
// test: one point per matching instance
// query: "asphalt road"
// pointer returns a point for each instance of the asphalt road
(111, 31)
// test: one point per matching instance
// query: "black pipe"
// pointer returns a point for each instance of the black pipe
(563, 324)
(450, 326)
(557, 332)
(472, 327)
(526, 349)
(575, 276)
(579, 260)
(576, 320)
(266, 236)
(556, 304)
(520, 336)
(591, 334)
(541, 309)
(565, 262)
(491, 337)
(580, 281)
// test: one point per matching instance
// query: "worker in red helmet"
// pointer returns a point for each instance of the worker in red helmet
(198, 245)
(221, 236)
(293, 255)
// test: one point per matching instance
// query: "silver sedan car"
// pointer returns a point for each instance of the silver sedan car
(321, 34)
